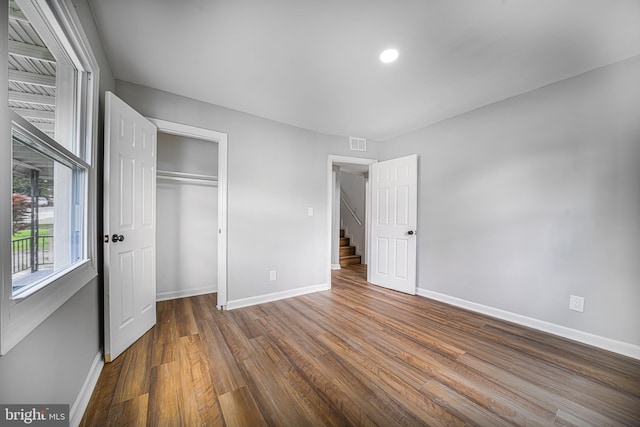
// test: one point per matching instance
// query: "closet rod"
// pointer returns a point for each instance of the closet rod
(187, 177)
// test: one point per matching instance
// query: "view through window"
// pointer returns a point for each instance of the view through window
(46, 212)
(48, 174)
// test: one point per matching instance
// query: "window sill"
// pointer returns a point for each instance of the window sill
(49, 280)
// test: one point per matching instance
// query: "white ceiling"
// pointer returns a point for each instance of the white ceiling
(314, 64)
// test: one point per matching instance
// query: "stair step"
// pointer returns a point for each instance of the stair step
(349, 260)
(347, 250)
(345, 241)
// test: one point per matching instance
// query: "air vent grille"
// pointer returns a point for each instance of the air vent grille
(357, 144)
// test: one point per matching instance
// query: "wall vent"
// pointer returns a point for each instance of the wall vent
(357, 144)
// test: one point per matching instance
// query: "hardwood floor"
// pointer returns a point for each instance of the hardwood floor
(357, 355)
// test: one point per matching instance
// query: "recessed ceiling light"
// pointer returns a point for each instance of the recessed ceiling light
(389, 55)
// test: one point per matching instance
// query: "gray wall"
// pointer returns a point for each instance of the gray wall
(182, 154)
(187, 219)
(51, 364)
(529, 200)
(275, 172)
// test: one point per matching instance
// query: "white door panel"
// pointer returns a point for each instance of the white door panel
(394, 213)
(130, 192)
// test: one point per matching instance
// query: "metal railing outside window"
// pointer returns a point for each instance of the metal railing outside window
(27, 255)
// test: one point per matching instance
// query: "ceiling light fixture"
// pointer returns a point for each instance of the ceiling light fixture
(389, 55)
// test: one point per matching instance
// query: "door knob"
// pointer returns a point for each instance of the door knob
(411, 232)
(117, 238)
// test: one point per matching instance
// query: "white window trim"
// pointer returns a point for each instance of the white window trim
(18, 318)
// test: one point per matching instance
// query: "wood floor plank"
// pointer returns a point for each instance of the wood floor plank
(460, 406)
(164, 401)
(560, 395)
(396, 342)
(198, 395)
(185, 320)
(165, 333)
(482, 390)
(248, 323)
(279, 402)
(289, 325)
(391, 319)
(318, 408)
(576, 362)
(205, 307)
(130, 413)
(358, 355)
(240, 409)
(330, 379)
(618, 406)
(102, 397)
(235, 338)
(224, 368)
(398, 385)
(583, 419)
(135, 373)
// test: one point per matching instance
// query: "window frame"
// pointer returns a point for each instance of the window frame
(22, 126)
(20, 316)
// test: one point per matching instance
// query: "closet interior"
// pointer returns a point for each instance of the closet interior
(187, 216)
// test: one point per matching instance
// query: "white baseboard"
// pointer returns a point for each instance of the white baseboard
(620, 347)
(335, 267)
(163, 296)
(246, 302)
(82, 401)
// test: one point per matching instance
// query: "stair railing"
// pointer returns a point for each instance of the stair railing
(343, 197)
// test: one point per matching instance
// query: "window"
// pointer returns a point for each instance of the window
(47, 203)
(51, 93)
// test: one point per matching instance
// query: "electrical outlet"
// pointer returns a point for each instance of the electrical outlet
(272, 275)
(576, 303)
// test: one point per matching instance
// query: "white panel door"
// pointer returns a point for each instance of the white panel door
(394, 214)
(130, 226)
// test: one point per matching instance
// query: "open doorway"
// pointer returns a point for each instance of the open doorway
(208, 181)
(347, 181)
(186, 217)
(391, 227)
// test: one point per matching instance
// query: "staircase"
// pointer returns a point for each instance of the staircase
(347, 252)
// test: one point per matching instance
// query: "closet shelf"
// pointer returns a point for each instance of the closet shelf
(187, 177)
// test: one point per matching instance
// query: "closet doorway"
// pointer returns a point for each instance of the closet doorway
(191, 212)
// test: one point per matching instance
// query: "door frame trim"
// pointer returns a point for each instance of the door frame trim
(331, 160)
(220, 138)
